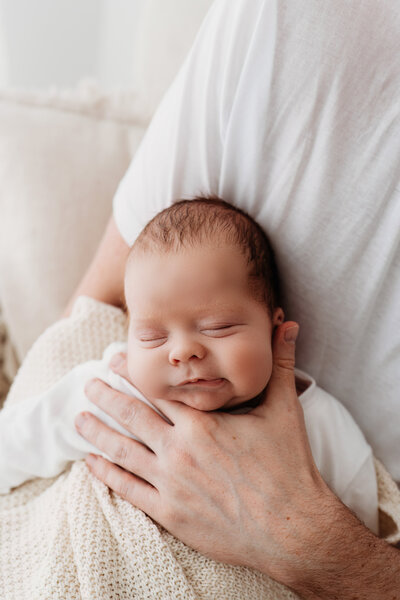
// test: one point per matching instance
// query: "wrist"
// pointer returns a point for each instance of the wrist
(335, 556)
(324, 547)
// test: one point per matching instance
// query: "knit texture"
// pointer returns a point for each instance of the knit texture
(71, 537)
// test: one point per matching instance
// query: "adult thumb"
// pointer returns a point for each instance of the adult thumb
(282, 383)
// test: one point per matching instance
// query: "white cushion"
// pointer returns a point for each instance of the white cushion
(62, 156)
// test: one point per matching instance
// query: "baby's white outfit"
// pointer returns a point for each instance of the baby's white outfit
(38, 437)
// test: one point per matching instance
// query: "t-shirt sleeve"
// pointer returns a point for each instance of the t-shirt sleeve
(181, 155)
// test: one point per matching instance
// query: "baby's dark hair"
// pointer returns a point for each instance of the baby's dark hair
(189, 223)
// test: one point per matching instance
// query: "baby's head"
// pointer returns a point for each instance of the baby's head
(202, 292)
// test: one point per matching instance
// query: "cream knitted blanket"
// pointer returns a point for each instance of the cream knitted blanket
(71, 537)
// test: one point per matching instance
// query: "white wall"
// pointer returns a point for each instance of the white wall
(59, 42)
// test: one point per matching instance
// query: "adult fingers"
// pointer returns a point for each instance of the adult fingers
(284, 347)
(133, 414)
(283, 355)
(128, 486)
(282, 384)
(125, 452)
(176, 411)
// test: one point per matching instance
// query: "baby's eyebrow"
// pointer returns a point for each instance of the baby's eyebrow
(146, 324)
(223, 312)
(145, 320)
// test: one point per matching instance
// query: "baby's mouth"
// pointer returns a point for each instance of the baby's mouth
(199, 382)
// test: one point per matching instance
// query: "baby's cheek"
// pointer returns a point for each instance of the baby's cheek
(142, 374)
(252, 368)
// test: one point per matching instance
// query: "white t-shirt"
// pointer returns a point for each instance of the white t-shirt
(38, 437)
(291, 111)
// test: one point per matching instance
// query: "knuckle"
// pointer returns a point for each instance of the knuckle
(286, 364)
(123, 489)
(128, 414)
(170, 515)
(175, 517)
(121, 454)
(181, 457)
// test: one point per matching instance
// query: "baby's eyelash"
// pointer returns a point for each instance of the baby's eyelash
(152, 342)
(212, 326)
(218, 330)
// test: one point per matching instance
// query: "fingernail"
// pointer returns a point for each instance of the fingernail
(116, 360)
(79, 420)
(291, 333)
(88, 385)
(91, 459)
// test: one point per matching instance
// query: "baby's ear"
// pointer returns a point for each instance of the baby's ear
(278, 317)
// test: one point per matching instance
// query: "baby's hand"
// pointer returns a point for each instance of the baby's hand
(118, 364)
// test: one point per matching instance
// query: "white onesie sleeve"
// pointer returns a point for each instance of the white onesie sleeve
(37, 435)
(341, 452)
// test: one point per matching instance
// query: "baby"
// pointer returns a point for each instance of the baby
(202, 295)
(201, 318)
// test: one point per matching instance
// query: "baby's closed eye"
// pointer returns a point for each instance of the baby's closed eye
(151, 339)
(220, 330)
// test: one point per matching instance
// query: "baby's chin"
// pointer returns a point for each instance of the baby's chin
(203, 404)
(205, 400)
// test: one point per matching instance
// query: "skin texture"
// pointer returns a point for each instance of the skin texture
(104, 279)
(196, 334)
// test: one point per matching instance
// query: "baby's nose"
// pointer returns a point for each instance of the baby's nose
(186, 349)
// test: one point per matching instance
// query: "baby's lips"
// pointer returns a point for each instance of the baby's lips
(206, 381)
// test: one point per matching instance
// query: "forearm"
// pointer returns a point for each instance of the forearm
(343, 560)
(104, 279)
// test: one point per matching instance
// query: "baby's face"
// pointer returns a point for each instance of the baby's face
(196, 334)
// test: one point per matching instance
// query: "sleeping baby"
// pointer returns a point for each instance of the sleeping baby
(202, 295)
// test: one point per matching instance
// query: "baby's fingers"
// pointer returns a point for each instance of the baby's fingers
(119, 365)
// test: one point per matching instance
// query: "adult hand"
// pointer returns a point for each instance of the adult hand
(242, 489)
